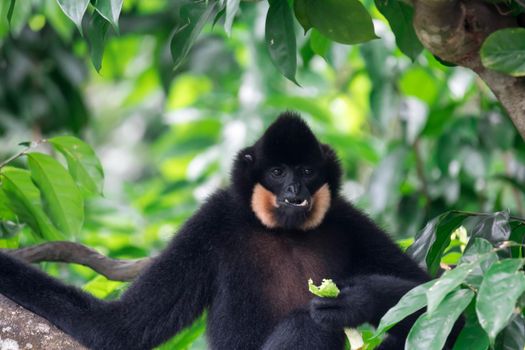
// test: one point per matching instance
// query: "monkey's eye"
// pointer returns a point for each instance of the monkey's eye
(277, 172)
(308, 171)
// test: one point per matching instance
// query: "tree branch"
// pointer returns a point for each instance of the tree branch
(454, 30)
(75, 253)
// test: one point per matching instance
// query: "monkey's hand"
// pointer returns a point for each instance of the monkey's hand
(350, 308)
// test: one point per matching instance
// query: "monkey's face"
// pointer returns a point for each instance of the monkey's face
(291, 196)
(287, 177)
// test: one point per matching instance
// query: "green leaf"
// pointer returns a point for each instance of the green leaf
(327, 289)
(82, 163)
(319, 43)
(501, 287)
(11, 10)
(472, 336)
(232, 6)
(411, 302)
(280, 38)
(24, 201)
(6, 213)
(430, 332)
(517, 235)
(449, 223)
(504, 51)
(495, 227)
(432, 241)
(75, 10)
(218, 17)
(187, 336)
(110, 10)
(97, 36)
(445, 284)
(400, 17)
(101, 287)
(62, 198)
(513, 336)
(343, 21)
(479, 250)
(301, 13)
(193, 15)
(14, 14)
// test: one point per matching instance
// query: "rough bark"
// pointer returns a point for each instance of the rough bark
(20, 329)
(454, 30)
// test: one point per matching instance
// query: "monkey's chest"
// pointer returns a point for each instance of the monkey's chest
(283, 268)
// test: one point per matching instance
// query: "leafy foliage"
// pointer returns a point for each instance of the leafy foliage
(487, 281)
(46, 197)
(346, 22)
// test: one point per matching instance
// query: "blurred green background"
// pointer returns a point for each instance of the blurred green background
(415, 138)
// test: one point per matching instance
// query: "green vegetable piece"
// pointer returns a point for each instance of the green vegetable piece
(327, 289)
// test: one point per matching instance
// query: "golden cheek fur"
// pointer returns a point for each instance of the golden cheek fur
(320, 205)
(264, 203)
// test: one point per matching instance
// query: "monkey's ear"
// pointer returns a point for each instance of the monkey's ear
(247, 155)
(333, 167)
(328, 152)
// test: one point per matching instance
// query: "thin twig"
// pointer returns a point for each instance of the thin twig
(22, 152)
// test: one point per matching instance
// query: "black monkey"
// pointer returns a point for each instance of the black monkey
(246, 257)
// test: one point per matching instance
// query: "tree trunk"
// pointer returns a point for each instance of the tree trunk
(20, 329)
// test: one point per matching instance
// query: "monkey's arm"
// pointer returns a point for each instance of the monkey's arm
(166, 297)
(381, 275)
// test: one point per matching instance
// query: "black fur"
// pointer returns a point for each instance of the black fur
(251, 279)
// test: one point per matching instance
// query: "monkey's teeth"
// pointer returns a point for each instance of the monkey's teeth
(302, 204)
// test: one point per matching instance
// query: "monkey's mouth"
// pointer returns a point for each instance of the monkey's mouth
(304, 203)
(295, 205)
